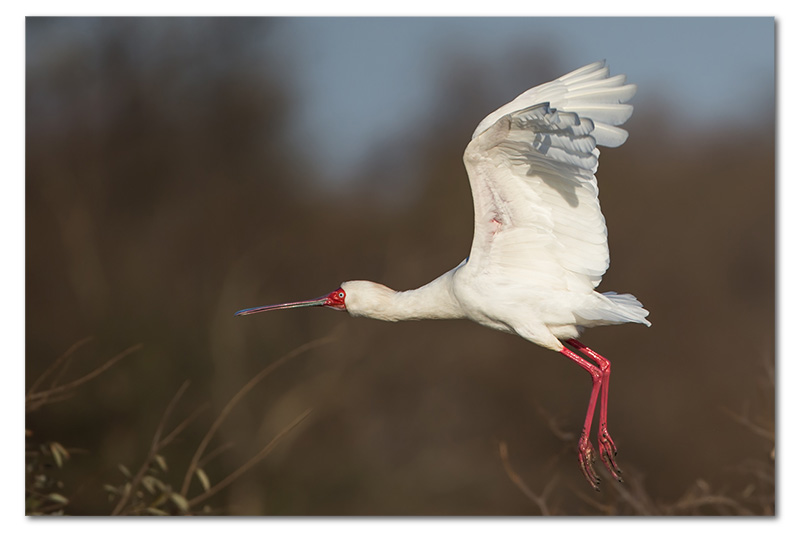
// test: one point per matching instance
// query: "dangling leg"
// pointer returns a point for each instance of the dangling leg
(607, 447)
(585, 451)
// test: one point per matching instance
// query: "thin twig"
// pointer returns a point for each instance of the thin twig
(61, 372)
(163, 422)
(695, 502)
(180, 427)
(33, 406)
(592, 501)
(213, 454)
(40, 396)
(639, 501)
(156, 446)
(50, 369)
(249, 464)
(758, 430)
(51, 508)
(193, 465)
(553, 425)
(540, 501)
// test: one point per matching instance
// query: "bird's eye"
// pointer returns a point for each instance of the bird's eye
(341, 295)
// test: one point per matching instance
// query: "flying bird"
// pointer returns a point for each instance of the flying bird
(539, 247)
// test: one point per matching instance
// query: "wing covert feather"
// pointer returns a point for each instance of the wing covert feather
(531, 167)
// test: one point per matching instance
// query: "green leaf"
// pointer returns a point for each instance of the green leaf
(59, 453)
(124, 470)
(201, 475)
(111, 488)
(160, 500)
(180, 501)
(56, 497)
(149, 484)
(162, 463)
(157, 512)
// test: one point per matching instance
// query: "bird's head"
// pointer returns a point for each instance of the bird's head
(334, 300)
(359, 298)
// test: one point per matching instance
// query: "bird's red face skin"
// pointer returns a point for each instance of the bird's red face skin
(336, 299)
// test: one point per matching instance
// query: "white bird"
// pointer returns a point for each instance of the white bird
(539, 247)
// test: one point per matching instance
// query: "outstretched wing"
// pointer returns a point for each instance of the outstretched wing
(531, 167)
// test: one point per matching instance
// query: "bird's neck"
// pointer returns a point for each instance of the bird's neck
(431, 301)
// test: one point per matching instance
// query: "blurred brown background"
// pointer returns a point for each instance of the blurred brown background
(163, 193)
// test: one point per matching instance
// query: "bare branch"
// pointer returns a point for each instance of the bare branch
(213, 454)
(695, 502)
(758, 430)
(637, 496)
(540, 501)
(249, 464)
(60, 359)
(553, 424)
(33, 406)
(156, 446)
(38, 398)
(180, 427)
(233, 401)
(163, 422)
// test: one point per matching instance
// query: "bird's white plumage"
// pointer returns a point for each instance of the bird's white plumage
(587, 91)
(539, 247)
(539, 231)
(531, 165)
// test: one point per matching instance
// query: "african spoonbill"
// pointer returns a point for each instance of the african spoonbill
(539, 247)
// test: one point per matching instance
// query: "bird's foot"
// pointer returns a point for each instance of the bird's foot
(607, 452)
(586, 454)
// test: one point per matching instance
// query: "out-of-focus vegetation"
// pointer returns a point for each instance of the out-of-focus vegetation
(145, 492)
(161, 196)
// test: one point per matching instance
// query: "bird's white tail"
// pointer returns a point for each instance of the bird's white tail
(619, 308)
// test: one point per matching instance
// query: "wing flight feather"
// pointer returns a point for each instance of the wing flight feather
(531, 166)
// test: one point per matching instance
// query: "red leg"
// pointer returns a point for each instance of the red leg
(607, 447)
(585, 451)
